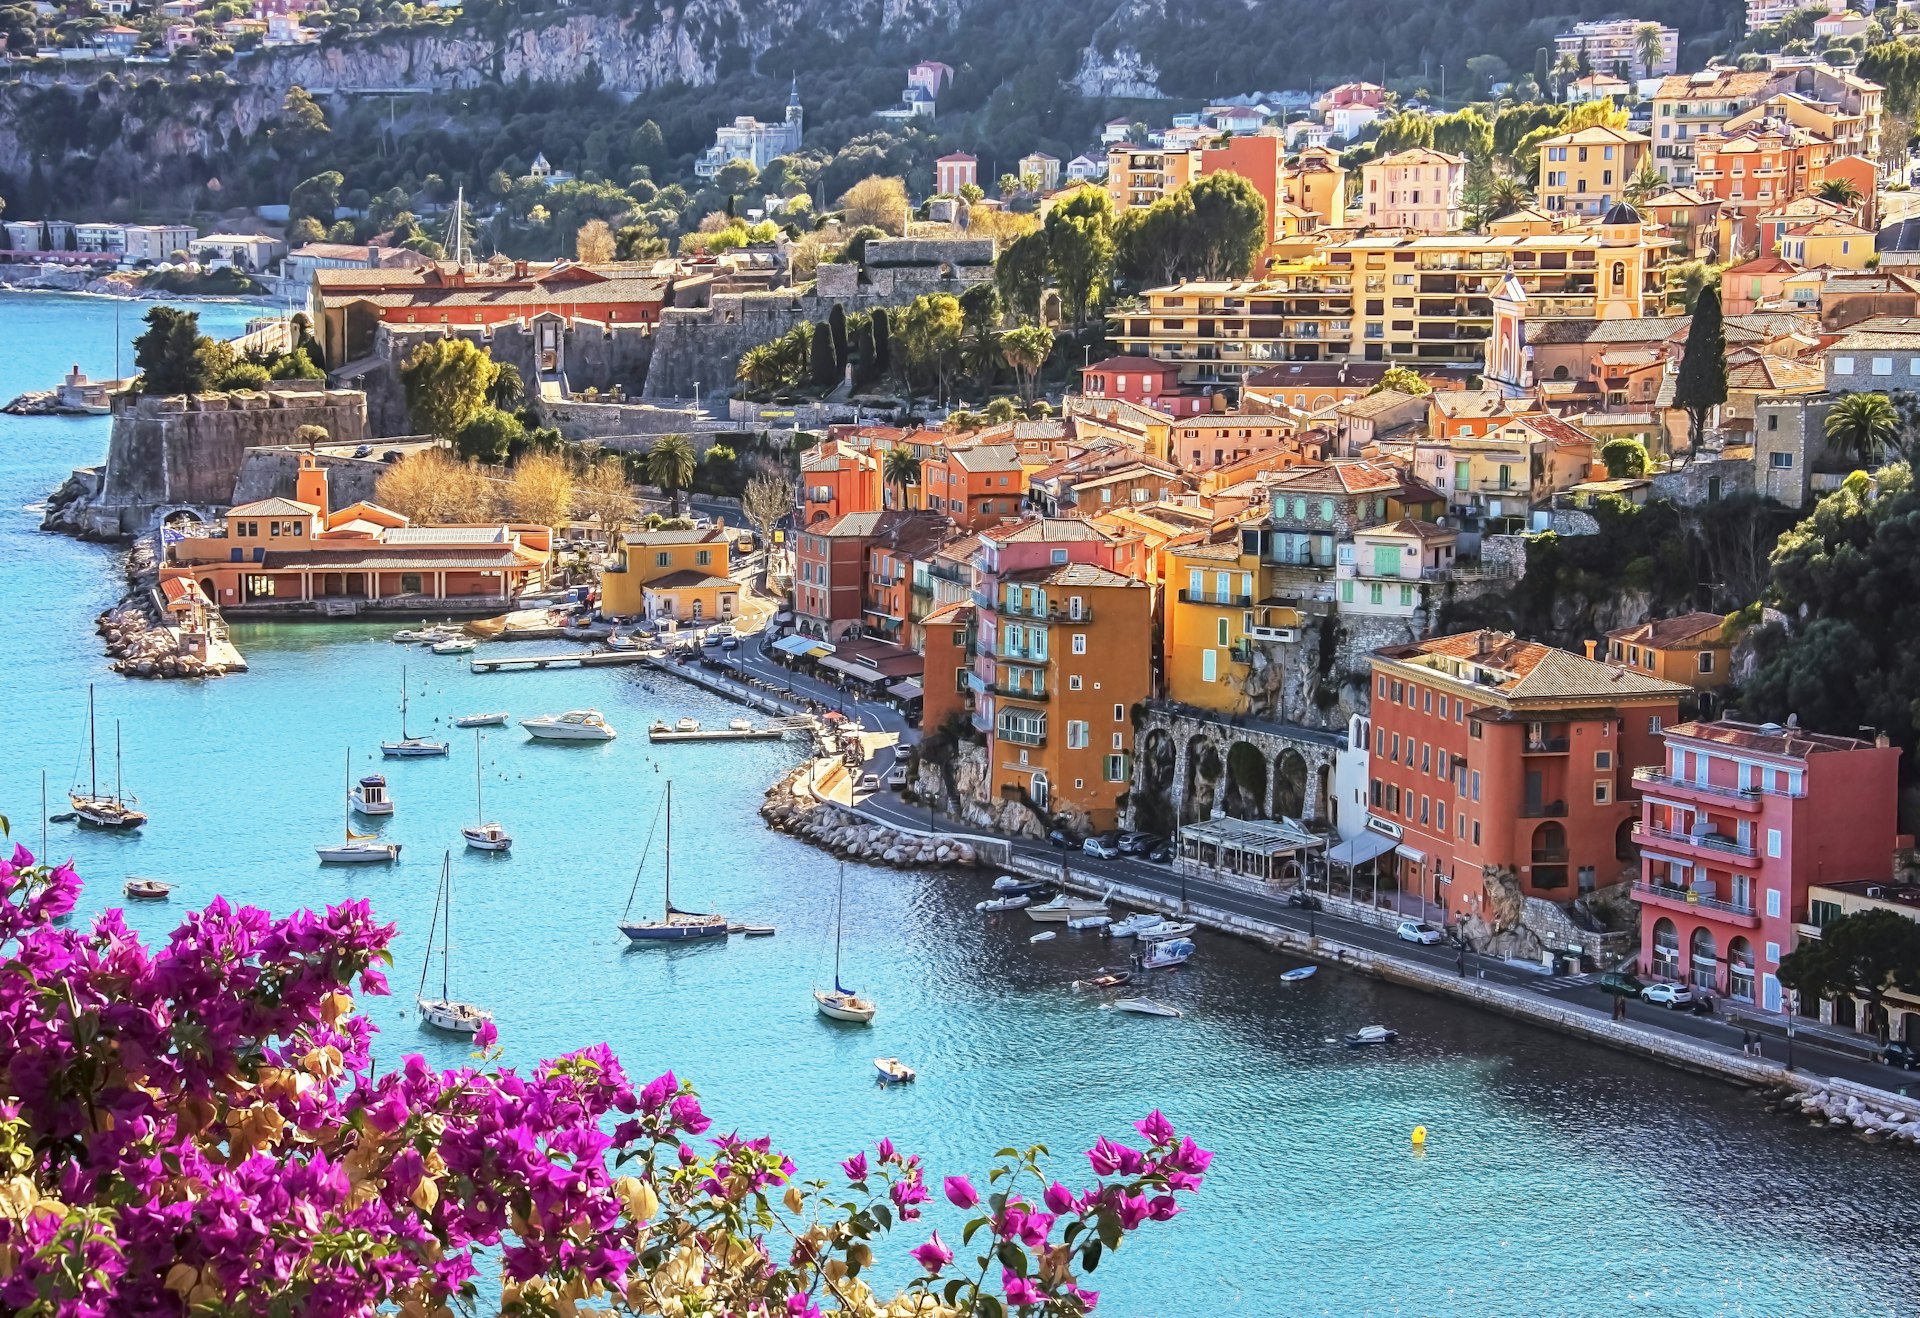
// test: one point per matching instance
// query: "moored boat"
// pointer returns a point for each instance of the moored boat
(1066, 906)
(1086, 922)
(147, 890)
(1133, 924)
(494, 720)
(356, 848)
(1145, 1007)
(674, 924)
(1173, 952)
(369, 796)
(574, 725)
(92, 809)
(841, 1003)
(1165, 930)
(992, 904)
(445, 1012)
(410, 747)
(455, 645)
(484, 834)
(1105, 980)
(1297, 974)
(894, 1071)
(1370, 1036)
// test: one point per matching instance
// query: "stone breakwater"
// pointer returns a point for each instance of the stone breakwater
(791, 807)
(1875, 1119)
(135, 636)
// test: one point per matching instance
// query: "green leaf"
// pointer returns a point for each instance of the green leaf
(1012, 1258)
(1109, 1229)
(966, 1236)
(951, 1291)
(991, 1306)
(1007, 1153)
(885, 1215)
(1090, 1256)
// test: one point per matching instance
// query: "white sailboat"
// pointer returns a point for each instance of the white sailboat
(91, 809)
(445, 1012)
(674, 925)
(409, 747)
(356, 848)
(485, 835)
(841, 1003)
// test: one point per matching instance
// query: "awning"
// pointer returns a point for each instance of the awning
(1417, 857)
(906, 690)
(801, 645)
(1360, 848)
(859, 672)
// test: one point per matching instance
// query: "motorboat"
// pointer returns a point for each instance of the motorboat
(1370, 1036)
(687, 725)
(740, 725)
(455, 645)
(894, 1071)
(1106, 980)
(410, 747)
(495, 720)
(356, 848)
(1012, 887)
(94, 809)
(424, 633)
(1133, 924)
(1145, 1007)
(445, 1012)
(483, 834)
(757, 930)
(619, 641)
(147, 890)
(574, 725)
(1002, 904)
(1046, 937)
(1173, 952)
(1165, 930)
(674, 924)
(1297, 974)
(1066, 906)
(1087, 922)
(369, 796)
(841, 1003)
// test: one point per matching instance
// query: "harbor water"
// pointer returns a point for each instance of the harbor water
(1557, 1178)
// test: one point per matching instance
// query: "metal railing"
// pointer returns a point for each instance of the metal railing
(1710, 841)
(1221, 601)
(1658, 777)
(1544, 810)
(1689, 897)
(1547, 745)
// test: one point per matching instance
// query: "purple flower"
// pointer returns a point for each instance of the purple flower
(885, 1147)
(1189, 1157)
(907, 1194)
(1089, 1300)
(486, 1035)
(658, 1091)
(932, 1256)
(1162, 1207)
(960, 1192)
(1020, 1290)
(1131, 1210)
(1108, 1158)
(1155, 1129)
(1021, 1223)
(798, 1306)
(688, 1116)
(1059, 1198)
(855, 1167)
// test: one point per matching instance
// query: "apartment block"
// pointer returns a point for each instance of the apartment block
(1615, 44)
(1584, 173)
(1417, 190)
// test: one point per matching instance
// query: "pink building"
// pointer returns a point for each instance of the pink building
(1141, 381)
(930, 76)
(953, 172)
(1735, 826)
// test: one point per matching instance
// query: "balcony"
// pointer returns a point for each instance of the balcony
(1276, 634)
(1687, 901)
(1546, 746)
(1218, 601)
(1544, 810)
(1709, 846)
(1016, 736)
(1655, 778)
(1241, 653)
(1016, 693)
(922, 588)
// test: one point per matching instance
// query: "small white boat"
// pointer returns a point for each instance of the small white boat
(455, 645)
(740, 725)
(1297, 974)
(410, 747)
(483, 834)
(687, 725)
(1046, 937)
(1066, 906)
(496, 720)
(1086, 922)
(1133, 924)
(445, 1012)
(1165, 930)
(1002, 904)
(1370, 1036)
(148, 890)
(1145, 1007)
(841, 1003)
(894, 1071)
(1007, 883)
(1159, 956)
(369, 796)
(356, 848)
(414, 635)
(616, 641)
(574, 725)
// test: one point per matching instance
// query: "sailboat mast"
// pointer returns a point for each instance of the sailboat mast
(666, 916)
(403, 702)
(446, 926)
(116, 761)
(346, 812)
(479, 804)
(93, 757)
(839, 917)
(426, 962)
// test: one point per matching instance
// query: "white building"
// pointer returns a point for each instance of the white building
(246, 252)
(1346, 121)
(1417, 189)
(98, 237)
(1349, 806)
(1085, 169)
(746, 138)
(1765, 13)
(1616, 43)
(1394, 571)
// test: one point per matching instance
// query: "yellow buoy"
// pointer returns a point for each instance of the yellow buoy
(1419, 1136)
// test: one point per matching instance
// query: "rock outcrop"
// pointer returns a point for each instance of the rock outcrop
(792, 808)
(1875, 1120)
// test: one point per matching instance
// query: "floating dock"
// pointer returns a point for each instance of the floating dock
(718, 734)
(576, 659)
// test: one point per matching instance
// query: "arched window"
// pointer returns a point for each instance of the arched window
(1702, 961)
(1666, 950)
(1740, 970)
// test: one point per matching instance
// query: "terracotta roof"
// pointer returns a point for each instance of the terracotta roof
(959, 613)
(697, 535)
(1224, 551)
(1748, 368)
(1372, 405)
(1764, 265)
(1344, 476)
(1047, 530)
(369, 560)
(689, 580)
(1468, 403)
(1525, 670)
(1669, 633)
(1132, 364)
(986, 458)
(1354, 375)
(1412, 528)
(1767, 738)
(1076, 574)
(275, 507)
(1723, 85)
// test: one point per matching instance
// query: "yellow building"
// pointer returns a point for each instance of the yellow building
(1831, 243)
(673, 575)
(1583, 173)
(1208, 602)
(1141, 175)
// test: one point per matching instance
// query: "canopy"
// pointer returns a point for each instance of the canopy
(802, 645)
(858, 672)
(1417, 857)
(1360, 848)
(906, 690)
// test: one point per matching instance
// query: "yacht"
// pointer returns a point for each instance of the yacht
(92, 809)
(1160, 956)
(574, 725)
(445, 1012)
(483, 834)
(356, 848)
(1066, 907)
(841, 1003)
(369, 796)
(455, 645)
(674, 924)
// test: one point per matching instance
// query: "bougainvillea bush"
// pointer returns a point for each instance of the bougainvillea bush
(196, 1129)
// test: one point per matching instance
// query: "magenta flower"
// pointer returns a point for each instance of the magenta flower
(885, 1147)
(1020, 1222)
(932, 1256)
(688, 1116)
(1162, 1207)
(960, 1192)
(855, 1167)
(1108, 1158)
(1089, 1300)
(1020, 1290)
(486, 1035)
(1155, 1129)
(658, 1091)
(1190, 1158)
(799, 1306)
(1131, 1209)
(1059, 1199)
(907, 1194)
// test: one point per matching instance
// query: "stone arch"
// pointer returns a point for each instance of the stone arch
(1290, 784)
(1205, 768)
(1703, 964)
(1246, 785)
(1549, 842)
(1153, 800)
(1666, 949)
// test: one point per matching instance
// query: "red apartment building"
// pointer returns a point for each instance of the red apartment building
(830, 572)
(1491, 752)
(1143, 382)
(978, 486)
(1737, 821)
(837, 477)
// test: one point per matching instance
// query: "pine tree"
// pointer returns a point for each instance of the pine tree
(1702, 385)
(882, 351)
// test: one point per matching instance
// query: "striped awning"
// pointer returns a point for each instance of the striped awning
(859, 672)
(798, 646)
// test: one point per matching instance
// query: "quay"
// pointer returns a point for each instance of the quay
(578, 659)
(769, 733)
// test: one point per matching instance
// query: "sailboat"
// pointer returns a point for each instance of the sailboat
(674, 925)
(445, 1012)
(92, 810)
(485, 835)
(409, 748)
(358, 848)
(841, 1004)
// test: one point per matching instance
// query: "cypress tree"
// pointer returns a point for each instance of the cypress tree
(1543, 72)
(882, 352)
(837, 329)
(820, 364)
(1702, 385)
(860, 349)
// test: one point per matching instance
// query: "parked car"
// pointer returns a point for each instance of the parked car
(1623, 982)
(729, 642)
(1675, 996)
(1103, 847)
(1061, 838)
(1903, 1055)
(869, 783)
(897, 776)
(1162, 854)
(363, 450)
(1136, 844)
(1419, 931)
(1305, 900)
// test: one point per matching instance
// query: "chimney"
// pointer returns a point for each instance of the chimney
(1880, 740)
(1591, 647)
(373, 257)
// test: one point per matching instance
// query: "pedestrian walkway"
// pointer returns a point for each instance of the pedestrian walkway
(1551, 984)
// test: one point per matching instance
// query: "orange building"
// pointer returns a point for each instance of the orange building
(295, 556)
(836, 478)
(1493, 753)
(948, 652)
(1689, 649)
(886, 601)
(1752, 170)
(978, 486)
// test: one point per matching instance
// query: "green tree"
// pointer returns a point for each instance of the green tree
(759, 368)
(1646, 182)
(670, 466)
(1649, 46)
(1840, 191)
(1689, 279)
(1625, 457)
(820, 366)
(1866, 954)
(837, 332)
(168, 353)
(900, 469)
(881, 322)
(509, 389)
(489, 435)
(446, 381)
(1229, 228)
(297, 365)
(1021, 273)
(1080, 250)
(1402, 380)
(242, 375)
(1702, 385)
(1863, 427)
(1026, 349)
(929, 331)
(1000, 412)
(316, 198)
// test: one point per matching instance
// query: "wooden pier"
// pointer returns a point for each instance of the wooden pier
(576, 659)
(659, 733)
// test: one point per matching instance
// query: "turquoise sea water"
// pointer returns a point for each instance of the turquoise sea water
(1558, 1179)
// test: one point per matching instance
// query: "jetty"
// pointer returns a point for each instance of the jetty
(770, 732)
(575, 659)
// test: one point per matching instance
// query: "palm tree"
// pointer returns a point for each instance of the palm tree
(1647, 41)
(1840, 191)
(670, 464)
(1863, 426)
(900, 469)
(1505, 195)
(1645, 183)
(759, 367)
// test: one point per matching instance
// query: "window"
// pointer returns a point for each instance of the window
(1476, 789)
(1115, 769)
(1426, 807)
(1076, 734)
(1784, 461)
(1079, 642)
(1653, 725)
(1426, 702)
(1059, 556)
(1883, 366)
(1395, 757)
(1773, 954)
(1773, 903)
(1440, 815)
(1603, 759)
(703, 557)
(1209, 665)
(1221, 630)
(1073, 681)
(1476, 832)
(1843, 366)
(1426, 758)
(661, 560)
(1773, 843)
(1602, 792)
(1119, 742)
(273, 529)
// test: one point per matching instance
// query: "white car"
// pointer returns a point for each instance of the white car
(1100, 847)
(897, 776)
(1416, 931)
(1668, 995)
(869, 783)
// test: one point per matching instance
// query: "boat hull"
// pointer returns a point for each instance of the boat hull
(1051, 914)
(383, 854)
(674, 933)
(490, 838)
(569, 734)
(453, 1017)
(844, 1007)
(894, 1071)
(412, 750)
(105, 815)
(371, 809)
(481, 721)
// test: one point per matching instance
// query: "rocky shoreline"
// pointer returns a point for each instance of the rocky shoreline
(136, 637)
(1874, 1121)
(79, 281)
(791, 807)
